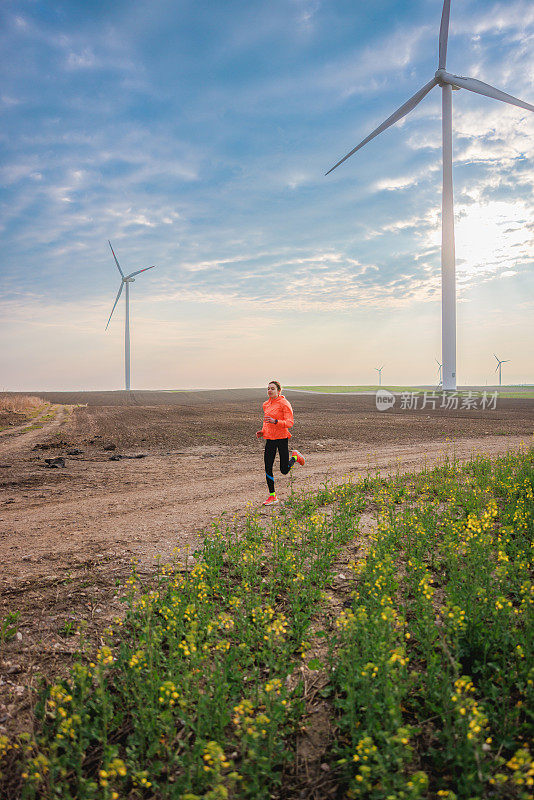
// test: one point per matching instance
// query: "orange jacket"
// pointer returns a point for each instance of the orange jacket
(280, 409)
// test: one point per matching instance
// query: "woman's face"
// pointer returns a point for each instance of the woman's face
(272, 390)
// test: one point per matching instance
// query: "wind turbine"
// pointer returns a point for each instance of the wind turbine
(379, 370)
(498, 367)
(125, 282)
(447, 82)
(440, 366)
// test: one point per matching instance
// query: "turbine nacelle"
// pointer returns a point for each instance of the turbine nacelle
(443, 78)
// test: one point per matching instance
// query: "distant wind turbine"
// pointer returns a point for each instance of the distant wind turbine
(498, 367)
(379, 370)
(439, 368)
(447, 82)
(126, 280)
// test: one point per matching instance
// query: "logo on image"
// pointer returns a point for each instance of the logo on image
(384, 400)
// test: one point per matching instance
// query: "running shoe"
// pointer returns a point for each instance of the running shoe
(271, 500)
(299, 458)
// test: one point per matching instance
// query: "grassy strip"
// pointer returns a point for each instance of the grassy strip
(27, 408)
(433, 668)
(363, 388)
(527, 394)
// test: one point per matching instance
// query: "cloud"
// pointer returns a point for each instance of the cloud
(75, 49)
(513, 17)
(9, 101)
(306, 11)
(493, 239)
(320, 281)
(379, 62)
(85, 59)
(406, 181)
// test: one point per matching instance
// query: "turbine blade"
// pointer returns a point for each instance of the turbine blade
(495, 356)
(139, 271)
(444, 33)
(479, 87)
(115, 303)
(116, 261)
(401, 112)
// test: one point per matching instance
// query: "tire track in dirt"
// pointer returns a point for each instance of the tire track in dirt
(17, 440)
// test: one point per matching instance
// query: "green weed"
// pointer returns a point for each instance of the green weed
(9, 626)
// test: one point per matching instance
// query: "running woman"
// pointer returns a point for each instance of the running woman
(277, 419)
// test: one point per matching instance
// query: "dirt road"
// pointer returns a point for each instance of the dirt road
(146, 508)
(20, 439)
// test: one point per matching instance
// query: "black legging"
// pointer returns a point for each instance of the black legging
(271, 446)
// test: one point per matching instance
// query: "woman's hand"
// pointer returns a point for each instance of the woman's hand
(269, 419)
(259, 434)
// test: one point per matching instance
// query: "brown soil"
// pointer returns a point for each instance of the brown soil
(9, 419)
(67, 535)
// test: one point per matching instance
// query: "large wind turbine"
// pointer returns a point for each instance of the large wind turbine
(125, 282)
(498, 367)
(440, 367)
(447, 82)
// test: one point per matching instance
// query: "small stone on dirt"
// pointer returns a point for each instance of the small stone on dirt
(74, 452)
(115, 458)
(54, 463)
(110, 446)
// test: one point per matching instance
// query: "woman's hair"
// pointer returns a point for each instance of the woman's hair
(277, 384)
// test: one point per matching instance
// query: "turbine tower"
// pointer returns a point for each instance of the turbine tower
(447, 82)
(498, 367)
(379, 370)
(125, 282)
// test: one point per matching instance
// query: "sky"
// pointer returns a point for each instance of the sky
(196, 137)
